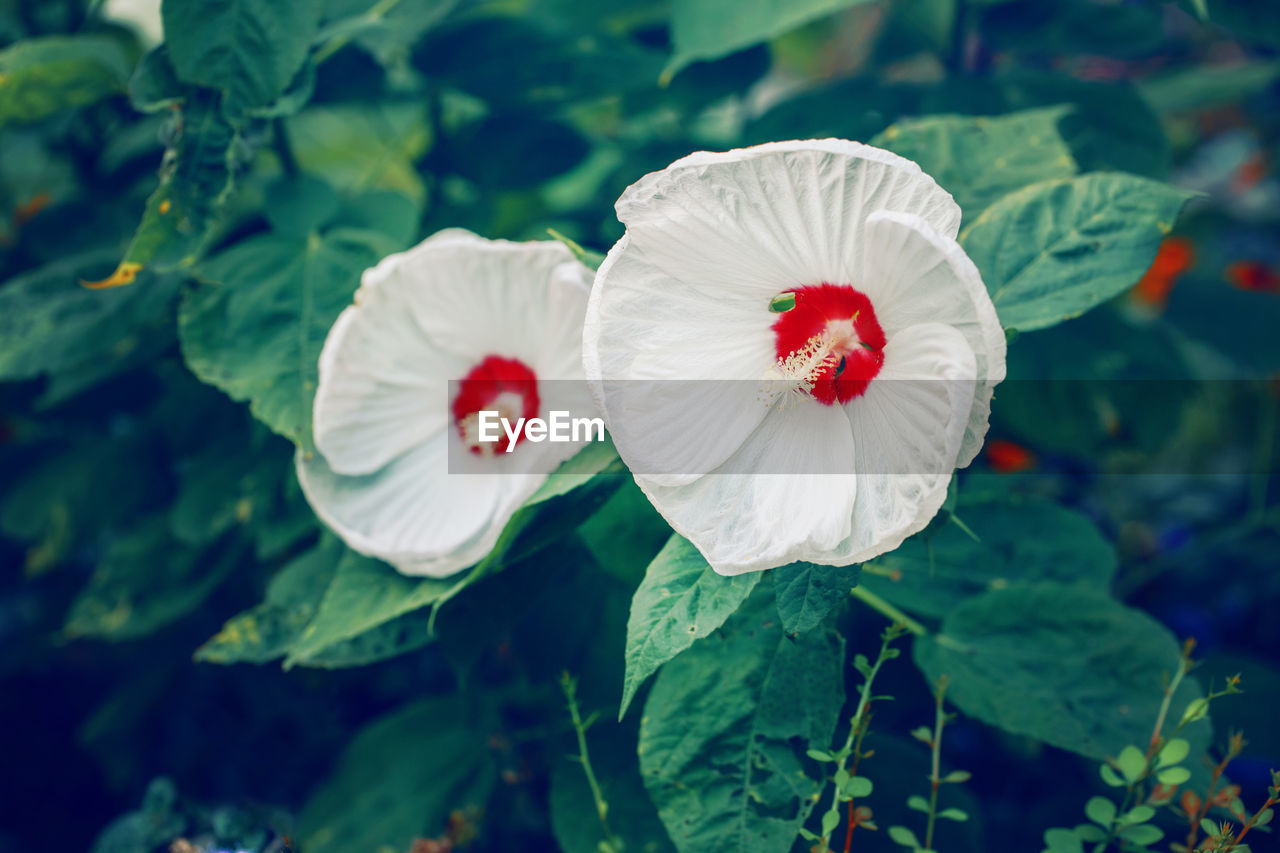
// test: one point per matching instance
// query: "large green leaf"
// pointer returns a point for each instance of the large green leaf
(48, 323)
(266, 631)
(249, 49)
(363, 594)
(400, 779)
(978, 159)
(1020, 542)
(725, 729)
(41, 76)
(1067, 665)
(364, 146)
(196, 179)
(707, 29)
(807, 592)
(255, 326)
(1055, 249)
(681, 599)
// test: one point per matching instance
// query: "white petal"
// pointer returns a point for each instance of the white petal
(476, 297)
(383, 386)
(674, 368)
(907, 431)
(413, 513)
(745, 522)
(776, 216)
(913, 274)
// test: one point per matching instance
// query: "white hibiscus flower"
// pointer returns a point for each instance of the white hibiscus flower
(877, 380)
(503, 322)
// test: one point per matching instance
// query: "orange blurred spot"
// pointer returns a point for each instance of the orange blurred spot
(1176, 255)
(25, 212)
(1249, 173)
(1009, 458)
(124, 274)
(165, 206)
(1253, 275)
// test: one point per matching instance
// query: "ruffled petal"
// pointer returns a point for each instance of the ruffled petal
(757, 221)
(907, 431)
(798, 503)
(915, 275)
(475, 297)
(413, 513)
(383, 386)
(673, 369)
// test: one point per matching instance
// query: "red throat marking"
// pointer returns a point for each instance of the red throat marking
(832, 339)
(503, 385)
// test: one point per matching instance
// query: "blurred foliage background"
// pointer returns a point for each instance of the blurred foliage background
(224, 190)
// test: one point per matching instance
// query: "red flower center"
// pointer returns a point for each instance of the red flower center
(503, 385)
(830, 342)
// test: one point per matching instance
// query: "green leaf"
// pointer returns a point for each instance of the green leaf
(1021, 542)
(705, 29)
(1143, 834)
(807, 592)
(1110, 776)
(978, 159)
(255, 326)
(1138, 814)
(1101, 811)
(196, 179)
(1063, 841)
(681, 599)
(957, 776)
(1066, 665)
(958, 815)
(830, 820)
(1173, 752)
(1055, 249)
(40, 76)
(904, 837)
(265, 632)
(363, 594)
(1132, 763)
(1173, 775)
(856, 786)
(249, 49)
(918, 803)
(632, 817)
(364, 146)
(1089, 832)
(399, 779)
(154, 86)
(127, 598)
(48, 323)
(718, 736)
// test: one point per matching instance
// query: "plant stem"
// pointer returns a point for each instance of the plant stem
(883, 607)
(858, 723)
(611, 843)
(935, 779)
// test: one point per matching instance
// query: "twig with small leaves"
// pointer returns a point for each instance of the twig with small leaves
(1150, 778)
(611, 843)
(847, 785)
(933, 739)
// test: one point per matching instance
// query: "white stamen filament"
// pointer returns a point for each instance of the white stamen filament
(793, 377)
